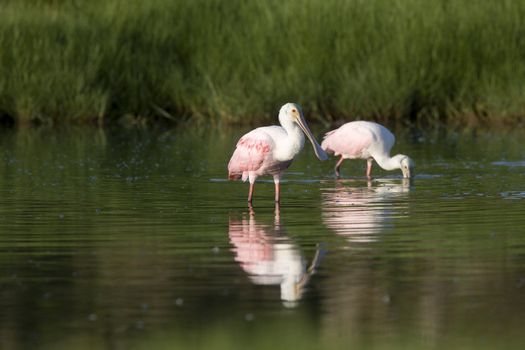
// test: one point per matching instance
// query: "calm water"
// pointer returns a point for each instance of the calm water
(135, 240)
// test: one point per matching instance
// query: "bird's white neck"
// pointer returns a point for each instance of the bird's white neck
(388, 163)
(295, 134)
(293, 143)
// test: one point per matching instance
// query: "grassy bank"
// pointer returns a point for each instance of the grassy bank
(77, 61)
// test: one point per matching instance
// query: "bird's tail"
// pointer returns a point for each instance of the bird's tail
(234, 176)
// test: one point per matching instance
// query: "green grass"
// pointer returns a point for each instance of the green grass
(237, 61)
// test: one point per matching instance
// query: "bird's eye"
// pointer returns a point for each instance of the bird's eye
(294, 110)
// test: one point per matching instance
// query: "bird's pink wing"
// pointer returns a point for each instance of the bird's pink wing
(350, 140)
(252, 149)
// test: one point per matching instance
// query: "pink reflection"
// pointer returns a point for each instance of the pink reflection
(269, 257)
(360, 213)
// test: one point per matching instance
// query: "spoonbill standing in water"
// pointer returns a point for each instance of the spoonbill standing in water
(366, 140)
(270, 150)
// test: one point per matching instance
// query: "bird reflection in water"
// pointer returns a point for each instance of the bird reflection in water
(360, 213)
(269, 257)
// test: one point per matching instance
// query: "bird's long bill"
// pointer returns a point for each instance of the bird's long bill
(408, 168)
(319, 152)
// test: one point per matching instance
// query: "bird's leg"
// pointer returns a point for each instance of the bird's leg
(337, 166)
(252, 178)
(369, 162)
(276, 180)
(250, 192)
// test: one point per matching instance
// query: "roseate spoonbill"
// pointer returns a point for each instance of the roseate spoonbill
(366, 140)
(270, 150)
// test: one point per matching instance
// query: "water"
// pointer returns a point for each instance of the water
(133, 239)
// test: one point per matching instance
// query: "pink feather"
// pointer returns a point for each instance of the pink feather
(250, 154)
(350, 140)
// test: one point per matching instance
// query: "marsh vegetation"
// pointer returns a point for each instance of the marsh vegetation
(236, 61)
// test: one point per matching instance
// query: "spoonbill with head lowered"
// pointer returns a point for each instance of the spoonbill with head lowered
(270, 150)
(366, 140)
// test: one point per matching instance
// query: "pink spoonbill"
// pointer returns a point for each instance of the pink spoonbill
(270, 150)
(366, 140)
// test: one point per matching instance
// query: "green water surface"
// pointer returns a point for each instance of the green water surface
(134, 239)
